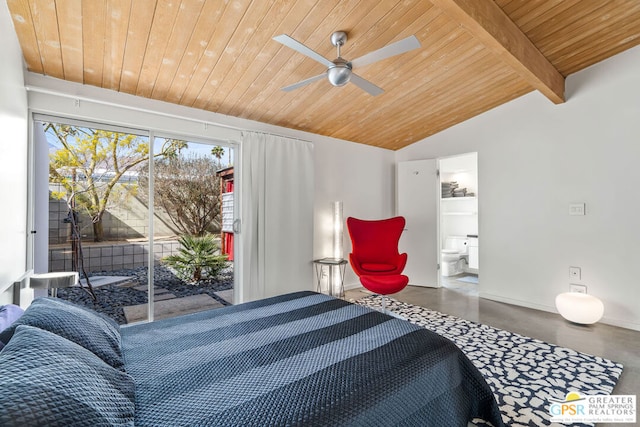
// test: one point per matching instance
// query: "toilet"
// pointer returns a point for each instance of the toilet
(453, 255)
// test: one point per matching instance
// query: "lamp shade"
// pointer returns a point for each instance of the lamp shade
(338, 231)
(338, 228)
(579, 308)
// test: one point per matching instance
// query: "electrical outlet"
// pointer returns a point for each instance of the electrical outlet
(581, 289)
(574, 273)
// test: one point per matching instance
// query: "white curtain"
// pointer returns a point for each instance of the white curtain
(277, 215)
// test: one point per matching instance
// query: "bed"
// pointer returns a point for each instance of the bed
(297, 359)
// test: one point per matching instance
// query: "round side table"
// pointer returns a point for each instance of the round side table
(53, 281)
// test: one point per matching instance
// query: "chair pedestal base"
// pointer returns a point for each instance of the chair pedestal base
(392, 314)
(385, 285)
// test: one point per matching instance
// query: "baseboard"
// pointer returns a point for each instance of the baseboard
(620, 323)
(551, 309)
(351, 286)
(517, 302)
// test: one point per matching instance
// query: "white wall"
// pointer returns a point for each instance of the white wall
(363, 178)
(13, 161)
(534, 158)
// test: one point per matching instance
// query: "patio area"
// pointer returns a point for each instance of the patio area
(122, 295)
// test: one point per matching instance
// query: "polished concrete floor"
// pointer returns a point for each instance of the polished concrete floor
(461, 300)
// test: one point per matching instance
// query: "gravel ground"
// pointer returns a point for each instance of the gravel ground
(112, 298)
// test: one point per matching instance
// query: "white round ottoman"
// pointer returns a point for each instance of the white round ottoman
(579, 308)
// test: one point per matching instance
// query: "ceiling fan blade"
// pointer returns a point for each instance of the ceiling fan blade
(303, 82)
(297, 46)
(401, 46)
(365, 85)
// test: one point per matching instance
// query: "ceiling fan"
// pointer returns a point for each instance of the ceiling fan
(340, 71)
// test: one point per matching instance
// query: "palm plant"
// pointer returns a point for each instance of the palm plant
(197, 258)
(217, 152)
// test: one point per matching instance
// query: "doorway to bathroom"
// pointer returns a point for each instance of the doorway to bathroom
(458, 218)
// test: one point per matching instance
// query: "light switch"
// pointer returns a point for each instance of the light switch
(576, 208)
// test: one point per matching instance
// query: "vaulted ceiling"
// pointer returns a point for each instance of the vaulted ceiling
(220, 55)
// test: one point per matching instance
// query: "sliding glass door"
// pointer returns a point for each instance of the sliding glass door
(194, 268)
(98, 221)
(133, 213)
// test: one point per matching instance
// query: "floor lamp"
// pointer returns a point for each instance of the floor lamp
(338, 227)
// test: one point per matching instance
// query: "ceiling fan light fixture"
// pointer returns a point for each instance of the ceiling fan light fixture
(340, 73)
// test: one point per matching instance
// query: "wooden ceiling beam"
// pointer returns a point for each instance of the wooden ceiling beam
(486, 21)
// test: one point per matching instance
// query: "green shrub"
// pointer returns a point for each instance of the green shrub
(198, 258)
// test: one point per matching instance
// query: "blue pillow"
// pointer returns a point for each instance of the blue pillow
(8, 314)
(93, 331)
(48, 380)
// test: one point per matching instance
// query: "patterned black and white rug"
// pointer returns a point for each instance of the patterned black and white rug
(525, 374)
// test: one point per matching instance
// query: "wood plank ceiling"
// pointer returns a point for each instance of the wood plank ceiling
(219, 55)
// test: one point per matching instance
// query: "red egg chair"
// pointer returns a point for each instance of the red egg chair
(374, 254)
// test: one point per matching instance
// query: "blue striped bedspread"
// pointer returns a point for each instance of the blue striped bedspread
(303, 359)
